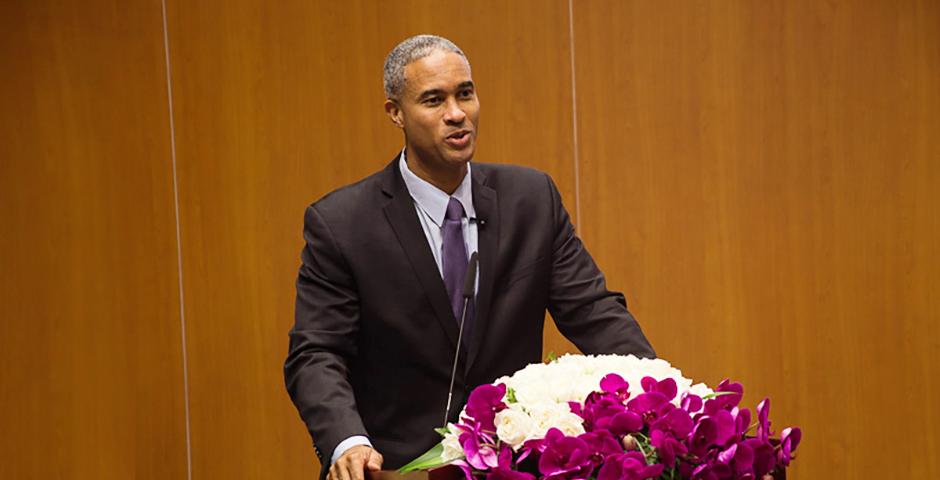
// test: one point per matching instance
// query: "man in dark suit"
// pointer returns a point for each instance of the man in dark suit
(378, 293)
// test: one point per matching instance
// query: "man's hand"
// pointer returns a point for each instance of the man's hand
(353, 463)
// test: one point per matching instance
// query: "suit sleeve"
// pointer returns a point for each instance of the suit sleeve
(323, 340)
(592, 317)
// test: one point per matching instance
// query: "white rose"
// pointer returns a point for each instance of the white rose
(570, 424)
(547, 416)
(452, 448)
(513, 427)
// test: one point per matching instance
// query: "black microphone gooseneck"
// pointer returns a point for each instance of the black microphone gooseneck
(468, 289)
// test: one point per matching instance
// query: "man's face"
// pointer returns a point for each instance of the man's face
(439, 111)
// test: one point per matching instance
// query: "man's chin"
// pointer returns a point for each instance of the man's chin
(459, 157)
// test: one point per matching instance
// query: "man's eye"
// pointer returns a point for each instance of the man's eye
(466, 93)
(433, 101)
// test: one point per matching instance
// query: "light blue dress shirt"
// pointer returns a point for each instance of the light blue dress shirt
(431, 206)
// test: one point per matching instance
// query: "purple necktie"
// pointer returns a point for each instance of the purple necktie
(454, 260)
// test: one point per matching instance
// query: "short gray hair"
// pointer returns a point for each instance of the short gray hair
(408, 51)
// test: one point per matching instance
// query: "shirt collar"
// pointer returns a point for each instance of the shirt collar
(432, 199)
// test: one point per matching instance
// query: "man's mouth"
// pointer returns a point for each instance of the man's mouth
(458, 139)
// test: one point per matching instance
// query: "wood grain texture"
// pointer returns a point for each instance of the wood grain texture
(90, 356)
(276, 104)
(761, 178)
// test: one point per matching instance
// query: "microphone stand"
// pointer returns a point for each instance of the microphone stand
(468, 290)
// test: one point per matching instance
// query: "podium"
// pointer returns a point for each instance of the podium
(443, 473)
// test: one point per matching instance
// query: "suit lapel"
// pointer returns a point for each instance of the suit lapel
(401, 215)
(487, 209)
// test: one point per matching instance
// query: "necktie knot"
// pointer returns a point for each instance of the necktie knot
(454, 210)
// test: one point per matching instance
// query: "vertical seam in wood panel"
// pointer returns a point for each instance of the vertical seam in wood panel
(574, 124)
(179, 246)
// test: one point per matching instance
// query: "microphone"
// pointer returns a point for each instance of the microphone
(468, 287)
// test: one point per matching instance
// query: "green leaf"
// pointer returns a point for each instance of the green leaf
(510, 395)
(717, 394)
(430, 459)
(551, 357)
(442, 431)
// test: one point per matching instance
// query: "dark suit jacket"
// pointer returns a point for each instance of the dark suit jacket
(373, 344)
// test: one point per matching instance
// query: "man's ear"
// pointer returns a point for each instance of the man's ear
(393, 110)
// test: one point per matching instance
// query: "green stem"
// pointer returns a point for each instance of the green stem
(640, 446)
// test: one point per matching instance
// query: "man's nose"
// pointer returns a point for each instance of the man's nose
(453, 114)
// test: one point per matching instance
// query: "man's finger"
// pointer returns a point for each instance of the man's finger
(357, 464)
(342, 467)
(352, 463)
(374, 462)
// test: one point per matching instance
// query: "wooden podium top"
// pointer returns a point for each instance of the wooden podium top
(443, 473)
(393, 475)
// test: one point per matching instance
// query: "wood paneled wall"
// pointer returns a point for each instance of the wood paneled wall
(91, 375)
(759, 178)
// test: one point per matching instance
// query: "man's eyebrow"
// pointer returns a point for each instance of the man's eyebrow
(430, 93)
(440, 91)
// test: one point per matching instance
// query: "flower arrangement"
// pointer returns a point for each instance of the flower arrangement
(609, 417)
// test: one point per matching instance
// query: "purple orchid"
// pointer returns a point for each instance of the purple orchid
(666, 387)
(703, 436)
(740, 457)
(613, 383)
(650, 406)
(691, 403)
(504, 470)
(730, 396)
(675, 422)
(483, 404)
(464, 467)
(742, 421)
(789, 440)
(726, 427)
(665, 434)
(628, 466)
(480, 455)
(601, 444)
(565, 457)
(531, 447)
(475, 428)
(479, 447)
(508, 474)
(605, 411)
(668, 448)
(764, 459)
(598, 406)
(701, 439)
(655, 401)
(763, 420)
(623, 423)
(711, 471)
